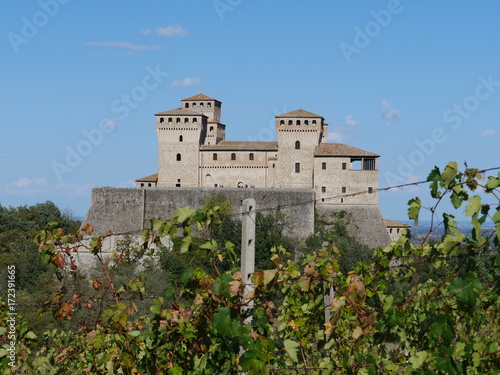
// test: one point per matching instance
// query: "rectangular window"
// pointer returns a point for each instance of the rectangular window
(323, 189)
(297, 167)
(323, 165)
(369, 164)
(344, 190)
(370, 190)
(344, 165)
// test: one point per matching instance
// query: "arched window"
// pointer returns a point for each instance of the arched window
(181, 138)
(194, 105)
(201, 105)
(214, 156)
(162, 120)
(297, 167)
(297, 122)
(186, 120)
(178, 157)
(250, 157)
(282, 122)
(306, 122)
(211, 128)
(297, 145)
(290, 122)
(170, 119)
(195, 119)
(149, 185)
(209, 105)
(233, 156)
(314, 122)
(178, 120)
(186, 105)
(142, 184)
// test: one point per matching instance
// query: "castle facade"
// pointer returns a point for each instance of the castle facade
(193, 152)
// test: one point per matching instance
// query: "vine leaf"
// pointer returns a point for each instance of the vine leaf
(291, 348)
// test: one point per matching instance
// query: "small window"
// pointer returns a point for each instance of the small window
(186, 105)
(233, 156)
(195, 119)
(282, 122)
(186, 120)
(341, 200)
(344, 165)
(344, 189)
(214, 156)
(170, 119)
(290, 122)
(211, 128)
(370, 190)
(323, 189)
(209, 105)
(306, 122)
(178, 120)
(142, 185)
(314, 122)
(201, 105)
(297, 145)
(194, 105)
(162, 120)
(297, 122)
(149, 185)
(369, 164)
(181, 138)
(323, 165)
(178, 158)
(390, 230)
(273, 165)
(250, 157)
(297, 167)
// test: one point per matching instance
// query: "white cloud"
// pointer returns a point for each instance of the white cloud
(490, 132)
(126, 45)
(71, 190)
(32, 185)
(335, 137)
(388, 113)
(186, 82)
(174, 30)
(349, 120)
(145, 32)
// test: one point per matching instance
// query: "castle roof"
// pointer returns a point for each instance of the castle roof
(242, 146)
(395, 224)
(152, 178)
(340, 149)
(179, 112)
(200, 96)
(298, 113)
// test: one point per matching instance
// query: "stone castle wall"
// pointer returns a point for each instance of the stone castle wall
(124, 210)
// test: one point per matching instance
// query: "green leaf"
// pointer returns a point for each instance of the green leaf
(418, 359)
(474, 207)
(291, 348)
(449, 174)
(442, 329)
(414, 209)
(156, 305)
(186, 242)
(492, 183)
(467, 289)
(134, 333)
(182, 214)
(2, 330)
(30, 335)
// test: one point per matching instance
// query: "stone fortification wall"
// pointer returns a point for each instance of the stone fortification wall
(129, 210)
(364, 222)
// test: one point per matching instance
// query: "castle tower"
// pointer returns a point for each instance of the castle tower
(180, 133)
(207, 106)
(299, 133)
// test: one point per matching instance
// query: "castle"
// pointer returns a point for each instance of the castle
(301, 175)
(193, 152)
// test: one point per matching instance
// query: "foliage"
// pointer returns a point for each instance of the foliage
(381, 317)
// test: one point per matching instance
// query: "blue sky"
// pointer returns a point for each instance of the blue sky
(414, 81)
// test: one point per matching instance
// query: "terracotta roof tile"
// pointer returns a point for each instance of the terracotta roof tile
(340, 149)
(298, 113)
(179, 112)
(200, 96)
(152, 178)
(392, 223)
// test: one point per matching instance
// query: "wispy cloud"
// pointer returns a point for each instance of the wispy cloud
(72, 190)
(490, 132)
(335, 137)
(145, 31)
(174, 30)
(27, 186)
(186, 82)
(127, 184)
(388, 113)
(125, 45)
(349, 120)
